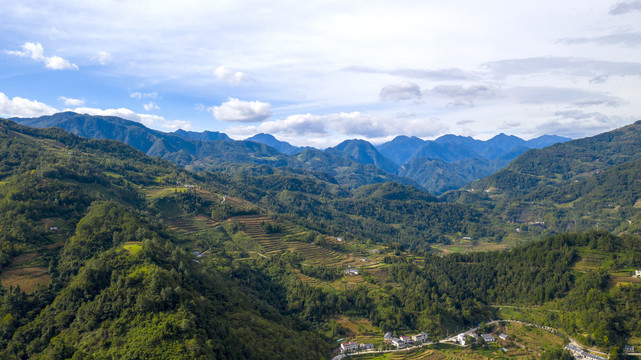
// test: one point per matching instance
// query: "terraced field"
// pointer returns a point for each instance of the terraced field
(252, 226)
(182, 226)
(277, 242)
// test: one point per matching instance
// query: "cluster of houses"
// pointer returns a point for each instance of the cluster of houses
(351, 346)
(399, 342)
(582, 354)
(351, 271)
(467, 337)
(404, 340)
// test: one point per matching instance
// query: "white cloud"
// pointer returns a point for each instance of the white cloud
(565, 66)
(628, 39)
(36, 52)
(402, 91)
(322, 130)
(448, 74)
(21, 107)
(229, 76)
(153, 121)
(463, 91)
(577, 123)
(326, 57)
(235, 110)
(141, 95)
(151, 106)
(71, 101)
(624, 7)
(558, 95)
(103, 57)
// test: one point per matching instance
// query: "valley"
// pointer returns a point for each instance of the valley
(102, 244)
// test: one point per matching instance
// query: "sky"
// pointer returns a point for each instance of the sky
(319, 72)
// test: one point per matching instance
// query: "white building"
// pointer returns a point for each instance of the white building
(351, 271)
(637, 273)
(488, 337)
(398, 342)
(349, 346)
(420, 337)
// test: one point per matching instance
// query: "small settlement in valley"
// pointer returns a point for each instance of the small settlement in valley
(400, 342)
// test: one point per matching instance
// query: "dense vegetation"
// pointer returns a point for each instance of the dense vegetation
(577, 185)
(120, 287)
(95, 215)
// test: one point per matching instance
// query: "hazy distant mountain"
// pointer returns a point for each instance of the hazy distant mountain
(401, 148)
(451, 161)
(501, 144)
(447, 152)
(282, 146)
(216, 154)
(177, 147)
(365, 153)
(365, 165)
(202, 136)
(438, 176)
(545, 141)
(345, 169)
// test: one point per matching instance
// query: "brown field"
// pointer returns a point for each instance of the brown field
(28, 278)
(464, 246)
(20, 274)
(623, 280)
(54, 246)
(22, 259)
(532, 338)
(360, 330)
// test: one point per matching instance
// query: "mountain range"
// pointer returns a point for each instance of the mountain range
(446, 163)
(106, 252)
(583, 183)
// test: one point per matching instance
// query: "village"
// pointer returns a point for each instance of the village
(467, 338)
(400, 342)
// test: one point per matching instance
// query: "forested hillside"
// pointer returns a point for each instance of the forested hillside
(117, 284)
(213, 151)
(581, 184)
(107, 253)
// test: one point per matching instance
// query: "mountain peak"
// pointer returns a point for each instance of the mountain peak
(263, 136)
(365, 153)
(282, 146)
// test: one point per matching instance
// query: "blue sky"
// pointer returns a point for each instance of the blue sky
(316, 73)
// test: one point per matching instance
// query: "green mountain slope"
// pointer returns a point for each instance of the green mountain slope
(364, 153)
(438, 176)
(211, 151)
(118, 284)
(579, 184)
(142, 259)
